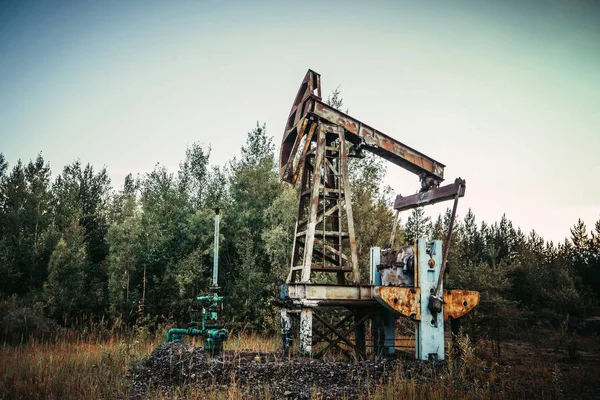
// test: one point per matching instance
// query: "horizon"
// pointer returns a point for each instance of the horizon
(506, 95)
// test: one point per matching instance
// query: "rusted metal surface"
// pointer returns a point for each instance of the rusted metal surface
(345, 178)
(324, 234)
(315, 292)
(310, 89)
(368, 138)
(397, 266)
(313, 207)
(459, 302)
(431, 196)
(308, 104)
(305, 149)
(402, 300)
(405, 301)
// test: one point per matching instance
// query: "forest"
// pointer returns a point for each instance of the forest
(72, 248)
(93, 277)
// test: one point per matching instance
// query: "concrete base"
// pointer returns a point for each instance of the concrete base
(306, 332)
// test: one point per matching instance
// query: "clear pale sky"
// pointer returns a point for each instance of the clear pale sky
(505, 93)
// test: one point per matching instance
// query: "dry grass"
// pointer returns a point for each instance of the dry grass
(87, 367)
(91, 368)
(68, 369)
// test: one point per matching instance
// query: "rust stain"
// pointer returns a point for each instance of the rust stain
(403, 300)
(459, 302)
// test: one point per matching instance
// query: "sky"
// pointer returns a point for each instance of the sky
(506, 94)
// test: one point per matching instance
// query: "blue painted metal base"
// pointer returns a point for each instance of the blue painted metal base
(430, 329)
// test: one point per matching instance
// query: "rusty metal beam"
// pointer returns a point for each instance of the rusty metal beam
(308, 105)
(313, 206)
(379, 143)
(431, 196)
(314, 293)
(348, 205)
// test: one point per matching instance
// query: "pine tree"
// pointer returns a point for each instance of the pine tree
(417, 225)
(25, 240)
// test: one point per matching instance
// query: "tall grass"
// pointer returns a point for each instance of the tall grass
(86, 366)
(65, 369)
(93, 367)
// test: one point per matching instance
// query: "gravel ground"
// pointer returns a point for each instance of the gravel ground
(518, 374)
(173, 365)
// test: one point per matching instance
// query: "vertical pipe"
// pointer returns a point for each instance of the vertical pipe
(216, 250)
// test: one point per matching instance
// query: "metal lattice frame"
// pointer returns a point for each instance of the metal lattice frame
(324, 234)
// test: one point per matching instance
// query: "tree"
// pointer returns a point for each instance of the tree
(253, 188)
(82, 194)
(472, 246)
(417, 225)
(279, 233)
(66, 291)
(25, 243)
(164, 238)
(124, 266)
(193, 174)
(584, 254)
(335, 99)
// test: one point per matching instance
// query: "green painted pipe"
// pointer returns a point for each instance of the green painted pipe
(173, 335)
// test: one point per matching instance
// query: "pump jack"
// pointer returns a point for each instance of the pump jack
(318, 141)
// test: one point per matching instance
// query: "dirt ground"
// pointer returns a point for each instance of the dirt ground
(173, 364)
(523, 371)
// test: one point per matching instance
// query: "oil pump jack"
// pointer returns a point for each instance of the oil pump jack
(317, 143)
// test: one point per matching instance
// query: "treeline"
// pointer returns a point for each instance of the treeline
(73, 248)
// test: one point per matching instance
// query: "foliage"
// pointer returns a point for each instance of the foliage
(255, 195)
(417, 225)
(66, 291)
(140, 255)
